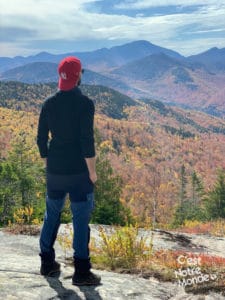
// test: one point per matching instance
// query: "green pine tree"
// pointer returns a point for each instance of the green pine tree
(22, 181)
(215, 201)
(183, 183)
(197, 189)
(8, 194)
(108, 208)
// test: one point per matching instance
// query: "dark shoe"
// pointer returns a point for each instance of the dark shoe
(49, 268)
(86, 279)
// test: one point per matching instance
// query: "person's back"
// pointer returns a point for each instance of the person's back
(69, 152)
(69, 115)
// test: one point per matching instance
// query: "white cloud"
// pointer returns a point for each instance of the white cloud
(51, 19)
(143, 4)
(68, 20)
(41, 7)
(207, 31)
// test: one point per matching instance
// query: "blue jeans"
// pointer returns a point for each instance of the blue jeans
(81, 211)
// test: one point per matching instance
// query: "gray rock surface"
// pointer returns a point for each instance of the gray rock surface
(166, 240)
(20, 278)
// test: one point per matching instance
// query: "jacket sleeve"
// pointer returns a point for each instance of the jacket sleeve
(87, 129)
(43, 133)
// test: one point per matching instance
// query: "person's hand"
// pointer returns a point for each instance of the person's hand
(93, 177)
(45, 161)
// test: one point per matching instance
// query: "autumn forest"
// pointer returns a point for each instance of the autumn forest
(157, 164)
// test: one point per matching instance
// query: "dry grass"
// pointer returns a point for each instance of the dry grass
(23, 229)
(214, 228)
(123, 251)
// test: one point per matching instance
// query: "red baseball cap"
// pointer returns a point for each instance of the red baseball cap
(69, 70)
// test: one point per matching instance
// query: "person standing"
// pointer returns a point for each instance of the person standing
(65, 139)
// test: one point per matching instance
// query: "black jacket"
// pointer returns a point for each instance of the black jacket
(65, 132)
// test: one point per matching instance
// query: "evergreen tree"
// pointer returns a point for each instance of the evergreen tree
(108, 208)
(24, 168)
(8, 195)
(22, 181)
(190, 208)
(180, 213)
(195, 210)
(215, 202)
(183, 183)
(197, 189)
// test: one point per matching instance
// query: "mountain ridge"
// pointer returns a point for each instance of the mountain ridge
(127, 52)
(107, 55)
(213, 59)
(141, 70)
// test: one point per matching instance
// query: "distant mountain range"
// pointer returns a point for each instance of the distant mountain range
(98, 60)
(138, 69)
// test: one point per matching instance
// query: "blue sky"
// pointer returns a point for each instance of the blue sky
(28, 27)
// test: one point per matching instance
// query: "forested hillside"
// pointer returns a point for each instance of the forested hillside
(29, 97)
(169, 160)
